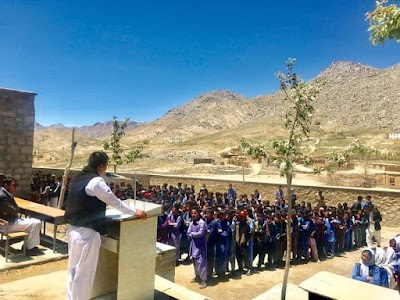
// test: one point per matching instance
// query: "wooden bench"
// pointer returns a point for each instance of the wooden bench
(9, 236)
(326, 285)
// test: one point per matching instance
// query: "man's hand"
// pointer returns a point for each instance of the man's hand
(141, 214)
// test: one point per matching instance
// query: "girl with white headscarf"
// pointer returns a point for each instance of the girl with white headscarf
(382, 257)
(366, 270)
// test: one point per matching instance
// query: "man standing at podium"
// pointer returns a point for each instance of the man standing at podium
(85, 214)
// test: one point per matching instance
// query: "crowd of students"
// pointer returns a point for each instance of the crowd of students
(46, 189)
(220, 231)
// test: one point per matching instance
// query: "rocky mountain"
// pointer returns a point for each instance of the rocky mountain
(104, 129)
(359, 97)
(96, 130)
(206, 114)
(355, 100)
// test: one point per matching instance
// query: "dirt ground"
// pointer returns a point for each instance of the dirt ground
(247, 287)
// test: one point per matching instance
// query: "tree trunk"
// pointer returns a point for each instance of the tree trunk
(288, 236)
(115, 168)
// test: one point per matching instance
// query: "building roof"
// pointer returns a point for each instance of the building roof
(16, 91)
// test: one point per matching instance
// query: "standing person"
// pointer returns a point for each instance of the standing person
(358, 204)
(9, 212)
(232, 243)
(261, 235)
(312, 240)
(197, 232)
(186, 219)
(279, 195)
(85, 216)
(231, 193)
(281, 239)
(330, 235)
(212, 233)
(162, 226)
(222, 244)
(55, 190)
(243, 234)
(348, 236)
(271, 242)
(321, 199)
(374, 227)
(293, 197)
(174, 221)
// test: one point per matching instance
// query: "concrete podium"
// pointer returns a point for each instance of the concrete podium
(127, 257)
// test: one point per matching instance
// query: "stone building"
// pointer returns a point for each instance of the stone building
(17, 120)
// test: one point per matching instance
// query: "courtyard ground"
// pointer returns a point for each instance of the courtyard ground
(46, 280)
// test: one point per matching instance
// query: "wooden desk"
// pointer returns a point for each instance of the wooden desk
(25, 204)
(48, 214)
(326, 285)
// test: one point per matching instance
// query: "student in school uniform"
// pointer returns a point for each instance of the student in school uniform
(197, 232)
(271, 242)
(281, 239)
(174, 221)
(232, 242)
(366, 270)
(212, 233)
(261, 234)
(243, 234)
(222, 243)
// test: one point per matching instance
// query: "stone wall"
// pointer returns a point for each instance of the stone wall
(17, 120)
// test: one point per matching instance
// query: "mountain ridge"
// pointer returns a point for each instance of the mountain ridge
(355, 100)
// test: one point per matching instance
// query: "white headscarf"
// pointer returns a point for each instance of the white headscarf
(397, 243)
(390, 255)
(380, 257)
(364, 267)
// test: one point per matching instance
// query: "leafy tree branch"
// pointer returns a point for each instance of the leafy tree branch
(384, 22)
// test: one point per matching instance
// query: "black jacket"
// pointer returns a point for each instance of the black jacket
(377, 219)
(81, 209)
(8, 207)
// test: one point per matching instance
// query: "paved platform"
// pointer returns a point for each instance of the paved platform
(45, 254)
(51, 286)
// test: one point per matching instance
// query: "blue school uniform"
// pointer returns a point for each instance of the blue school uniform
(222, 246)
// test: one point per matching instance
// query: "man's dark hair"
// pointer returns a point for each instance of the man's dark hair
(8, 180)
(97, 158)
(196, 208)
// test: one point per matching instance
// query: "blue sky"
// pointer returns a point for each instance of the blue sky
(90, 60)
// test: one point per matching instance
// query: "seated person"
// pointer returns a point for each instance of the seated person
(366, 270)
(9, 212)
(380, 261)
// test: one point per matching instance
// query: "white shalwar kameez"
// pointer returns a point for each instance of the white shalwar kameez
(84, 244)
(31, 226)
(372, 233)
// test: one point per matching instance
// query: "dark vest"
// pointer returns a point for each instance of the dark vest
(83, 210)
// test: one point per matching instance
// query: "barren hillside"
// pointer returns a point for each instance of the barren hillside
(355, 101)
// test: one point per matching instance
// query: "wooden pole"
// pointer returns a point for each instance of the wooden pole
(241, 159)
(135, 192)
(66, 172)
